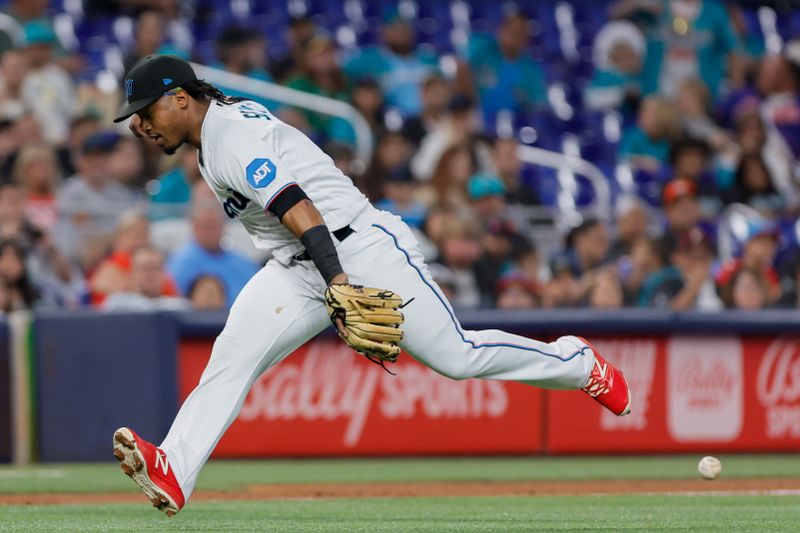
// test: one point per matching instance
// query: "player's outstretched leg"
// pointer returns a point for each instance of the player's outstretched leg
(277, 311)
(433, 335)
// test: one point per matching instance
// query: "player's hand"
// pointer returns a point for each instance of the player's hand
(135, 126)
(338, 322)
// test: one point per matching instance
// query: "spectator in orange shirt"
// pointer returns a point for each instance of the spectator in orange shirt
(758, 254)
(113, 273)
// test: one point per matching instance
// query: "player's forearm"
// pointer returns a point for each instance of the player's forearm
(305, 223)
(301, 217)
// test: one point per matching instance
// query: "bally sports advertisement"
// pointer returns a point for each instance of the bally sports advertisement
(692, 392)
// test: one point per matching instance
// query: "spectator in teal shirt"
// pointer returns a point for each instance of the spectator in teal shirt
(399, 65)
(501, 72)
(618, 57)
(694, 38)
(646, 145)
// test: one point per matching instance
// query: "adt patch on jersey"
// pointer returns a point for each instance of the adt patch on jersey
(260, 173)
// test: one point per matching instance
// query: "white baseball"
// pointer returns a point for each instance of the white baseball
(709, 467)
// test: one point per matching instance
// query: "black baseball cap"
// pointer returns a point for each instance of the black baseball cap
(150, 78)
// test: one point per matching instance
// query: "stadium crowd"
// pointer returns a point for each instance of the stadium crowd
(709, 115)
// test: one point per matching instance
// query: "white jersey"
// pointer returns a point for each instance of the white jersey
(248, 157)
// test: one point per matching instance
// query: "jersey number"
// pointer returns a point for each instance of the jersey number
(234, 205)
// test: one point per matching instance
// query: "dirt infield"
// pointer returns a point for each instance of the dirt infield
(472, 488)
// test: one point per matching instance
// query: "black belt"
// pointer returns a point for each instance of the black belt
(340, 234)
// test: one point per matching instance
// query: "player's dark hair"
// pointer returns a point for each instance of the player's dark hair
(202, 90)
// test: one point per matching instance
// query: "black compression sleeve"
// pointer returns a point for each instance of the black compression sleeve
(319, 245)
(285, 200)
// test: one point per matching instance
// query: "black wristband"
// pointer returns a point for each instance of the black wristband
(319, 245)
(286, 199)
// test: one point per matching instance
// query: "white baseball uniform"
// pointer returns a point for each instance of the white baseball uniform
(248, 157)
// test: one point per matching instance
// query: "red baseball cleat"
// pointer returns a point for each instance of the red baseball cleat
(607, 385)
(148, 466)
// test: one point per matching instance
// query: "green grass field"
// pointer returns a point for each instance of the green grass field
(635, 512)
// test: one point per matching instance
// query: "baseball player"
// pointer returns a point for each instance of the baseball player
(329, 247)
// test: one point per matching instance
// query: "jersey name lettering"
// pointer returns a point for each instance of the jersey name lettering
(248, 111)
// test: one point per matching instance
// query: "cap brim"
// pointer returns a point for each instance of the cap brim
(135, 107)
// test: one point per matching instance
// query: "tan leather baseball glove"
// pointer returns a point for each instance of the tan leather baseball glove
(371, 320)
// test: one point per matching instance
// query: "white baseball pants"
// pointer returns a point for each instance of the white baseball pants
(282, 307)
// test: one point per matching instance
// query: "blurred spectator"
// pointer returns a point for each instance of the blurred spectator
(149, 35)
(458, 126)
(526, 260)
(444, 279)
(90, 202)
(646, 257)
(243, 51)
(694, 103)
(14, 67)
(632, 221)
(205, 255)
(19, 291)
(748, 289)
(753, 45)
(563, 289)
(487, 196)
(36, 171)
(588, 246)
(501, 244)
(113, 273)
(126, 164)
(207, 292)
(448, 186)
(778, 81)
(170, 195)
(399, 65)
(320, 74)
(367, 98)
(516, 290)
(687, 282)
(300, 29)
(693, 38)
(145, 291)
(681, 210)
(508, 166)
(80, 128)
(13, 223)
(57, 281)
(646, 145)
(758, 254)
(618, 56)
(343, 156)
(755, 187)
(754, 139)
(398, 197)
(460, 250)
(47, 90)
(436, 95)
(689, 159)
(12, 19)
(500, 70)
(605, 290)
(391, 152)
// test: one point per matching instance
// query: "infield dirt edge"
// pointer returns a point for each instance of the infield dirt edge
(288, 491)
